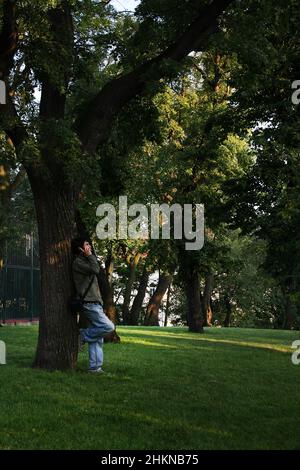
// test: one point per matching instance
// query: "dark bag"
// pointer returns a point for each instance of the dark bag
(76, 303)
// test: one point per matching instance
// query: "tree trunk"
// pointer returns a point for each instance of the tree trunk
(107, 295)
(290, 312)
(228, 311)
(206, 301)
(195, 313)
(108, 303)
(58, 334)
(151, 317)
(139, 298)
(290, 308)
(167, 306)
(189, 274)
(127, 294)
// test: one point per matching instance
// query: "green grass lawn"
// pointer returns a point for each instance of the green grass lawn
(164, 388)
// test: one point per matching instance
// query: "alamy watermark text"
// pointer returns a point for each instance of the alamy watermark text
(140, 221)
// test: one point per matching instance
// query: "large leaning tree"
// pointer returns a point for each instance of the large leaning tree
(66, 81)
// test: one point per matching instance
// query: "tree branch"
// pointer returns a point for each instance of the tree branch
(8, 37)
(94, 124)
(53, 97)
(10, 121)
(13, 126)
(18, 179)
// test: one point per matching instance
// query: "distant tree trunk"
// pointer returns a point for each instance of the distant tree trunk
(290, 312)
(288, 289)
(195, 312)
(151, 317)
(167, 306)
(206, 301)
(133, 261)
(228, 311)
(127, 294)
(189, 274)
(108, 304)
(139, 298)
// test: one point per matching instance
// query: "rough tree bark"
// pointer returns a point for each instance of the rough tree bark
(58, 334)
(189, 274)
(151, 317)
(194, 313)
(139, 298)
(132, 261)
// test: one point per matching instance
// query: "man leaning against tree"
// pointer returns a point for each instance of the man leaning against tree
(85, 269)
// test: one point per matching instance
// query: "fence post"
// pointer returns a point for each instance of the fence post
(2, 353)
(5, 282)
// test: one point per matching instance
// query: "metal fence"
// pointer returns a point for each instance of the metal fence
(20, 281)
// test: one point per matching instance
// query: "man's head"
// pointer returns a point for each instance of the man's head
(79, 245)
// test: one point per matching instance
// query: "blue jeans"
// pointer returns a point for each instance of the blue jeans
(100, 325)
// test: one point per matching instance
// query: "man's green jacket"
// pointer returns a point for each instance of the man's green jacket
(84, 269)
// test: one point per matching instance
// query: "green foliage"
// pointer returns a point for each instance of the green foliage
(65, 150)
(16, 202)
(241, 279)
